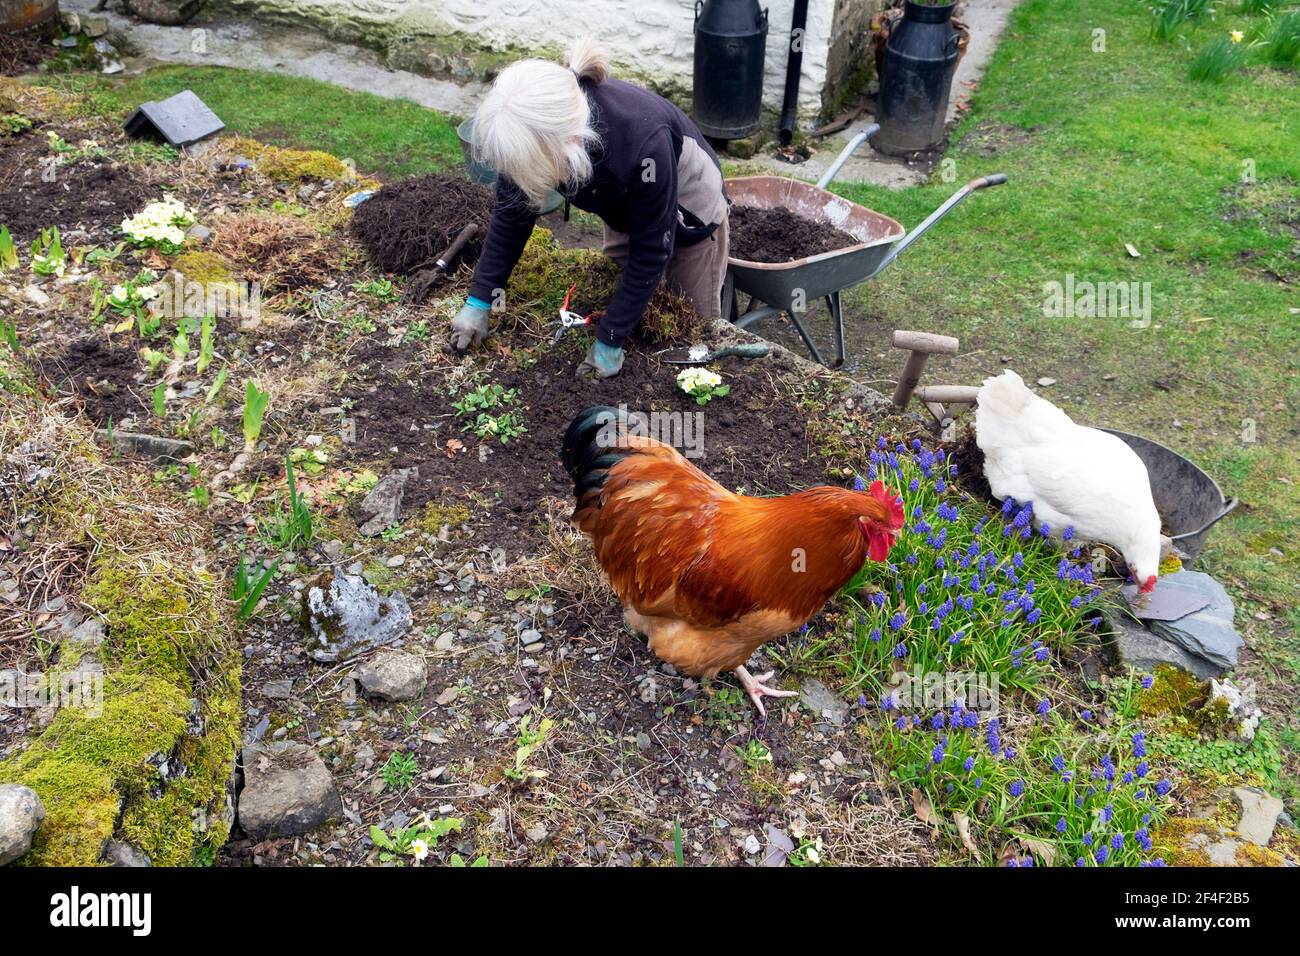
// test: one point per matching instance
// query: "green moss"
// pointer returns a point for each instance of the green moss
(168, 643)
(545, 272)
(1174, 692)
(203, 267)
(1170, 841)
(436, 515)
(83, 766)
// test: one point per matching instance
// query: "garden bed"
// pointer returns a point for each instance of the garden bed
(545, 730)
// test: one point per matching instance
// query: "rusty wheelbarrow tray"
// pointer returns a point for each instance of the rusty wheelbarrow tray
(790, 287)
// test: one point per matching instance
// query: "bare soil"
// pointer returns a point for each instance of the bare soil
(779, 235)
(82, 198)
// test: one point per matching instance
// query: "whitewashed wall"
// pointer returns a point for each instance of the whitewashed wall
(649, 38)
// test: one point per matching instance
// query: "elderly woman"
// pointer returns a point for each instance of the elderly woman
(613, 149)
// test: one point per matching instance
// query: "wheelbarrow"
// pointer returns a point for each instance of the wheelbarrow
(789, 287)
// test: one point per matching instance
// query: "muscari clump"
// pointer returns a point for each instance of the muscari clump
(992, 596)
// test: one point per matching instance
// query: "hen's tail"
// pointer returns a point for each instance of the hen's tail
(1004, 396)
(591, 447)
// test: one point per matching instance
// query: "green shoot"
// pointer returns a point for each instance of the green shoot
(248, 590)
(8, 251)
(206, 344)
(255, 403)
(217, 384)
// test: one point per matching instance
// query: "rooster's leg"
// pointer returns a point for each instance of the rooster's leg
(757, 689)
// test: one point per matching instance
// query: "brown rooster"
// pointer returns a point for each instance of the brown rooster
(705, 574)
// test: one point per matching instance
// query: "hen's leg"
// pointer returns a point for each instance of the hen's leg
(757, 689)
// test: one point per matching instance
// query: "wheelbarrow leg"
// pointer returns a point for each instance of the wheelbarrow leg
(837, 325)
(807, 339)
(729, 309)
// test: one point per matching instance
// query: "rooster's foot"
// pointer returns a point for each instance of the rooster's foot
(757, 689)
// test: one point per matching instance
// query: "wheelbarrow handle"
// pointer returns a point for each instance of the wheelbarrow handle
(1228, 507)
(993, 179)
(866, 133)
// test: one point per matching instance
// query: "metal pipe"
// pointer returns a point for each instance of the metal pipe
(793, 69)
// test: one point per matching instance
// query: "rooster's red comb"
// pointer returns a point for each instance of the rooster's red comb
(882, 494)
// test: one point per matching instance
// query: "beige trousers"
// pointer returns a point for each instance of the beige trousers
(696, 272)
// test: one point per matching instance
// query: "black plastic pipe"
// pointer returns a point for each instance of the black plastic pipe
(793, 70)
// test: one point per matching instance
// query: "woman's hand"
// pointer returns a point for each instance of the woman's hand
(469, 328)
(602, 361)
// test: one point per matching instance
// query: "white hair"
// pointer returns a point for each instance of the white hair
(534, 126)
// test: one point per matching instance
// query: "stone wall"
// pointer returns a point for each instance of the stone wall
(651, 40)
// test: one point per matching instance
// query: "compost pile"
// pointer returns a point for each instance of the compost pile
(779, 235)
(407, 225)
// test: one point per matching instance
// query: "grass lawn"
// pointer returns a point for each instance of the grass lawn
(391, 138)
(1103, 149)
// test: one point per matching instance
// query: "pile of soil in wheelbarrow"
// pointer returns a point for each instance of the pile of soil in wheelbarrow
(91, 196)
(755, 438)
(779, 235)
(407, 225)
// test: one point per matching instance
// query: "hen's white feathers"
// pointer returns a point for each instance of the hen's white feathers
(1075, 476)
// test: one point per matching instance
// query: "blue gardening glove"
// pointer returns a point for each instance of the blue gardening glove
(602, 361)
(470, 327)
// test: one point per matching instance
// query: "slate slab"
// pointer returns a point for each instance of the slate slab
(179, 119)
(1208, 633)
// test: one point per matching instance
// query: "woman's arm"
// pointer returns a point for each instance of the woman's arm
(652, 229)
(512, 224)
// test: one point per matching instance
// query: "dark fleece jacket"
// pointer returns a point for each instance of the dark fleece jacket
(654, 177)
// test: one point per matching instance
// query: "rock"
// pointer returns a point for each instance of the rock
(287, 791)
(117, 853)
(394, 676)
(1046, 382)
(1220, 848)
(94, 27)
(1141, 650)
(823, 702)
(198, 232)
(166, 451)
(1208, 633)
(751, 844)
(1242, 714)
(779, 847)
(1259, 814)
(344, 616)
(21, 814)
(383, 506)
(278, 689)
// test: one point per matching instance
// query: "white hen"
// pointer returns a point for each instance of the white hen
(1075, 476)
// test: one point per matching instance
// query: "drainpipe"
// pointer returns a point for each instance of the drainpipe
(793, 69)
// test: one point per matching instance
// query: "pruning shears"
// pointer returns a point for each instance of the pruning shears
(569, 319)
